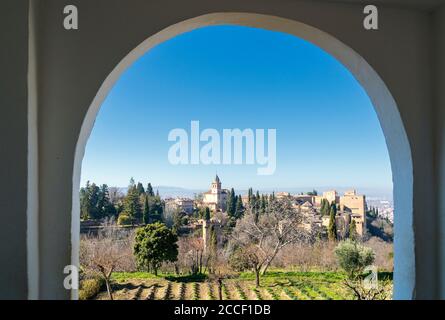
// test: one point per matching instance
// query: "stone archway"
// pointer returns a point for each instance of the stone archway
(384, 104)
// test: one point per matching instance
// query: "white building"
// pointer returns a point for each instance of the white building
(216, 197)
(181, 204)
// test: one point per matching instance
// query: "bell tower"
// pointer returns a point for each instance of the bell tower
(216, 185)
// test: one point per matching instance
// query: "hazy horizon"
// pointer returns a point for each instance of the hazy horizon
(178, 191)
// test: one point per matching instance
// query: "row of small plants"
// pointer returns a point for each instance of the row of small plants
(195, 291)
(240, 291)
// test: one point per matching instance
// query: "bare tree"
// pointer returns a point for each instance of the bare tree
(248, 257)
(220, 271)
(104, 253)
(191, 254)
(115, 195)
(261, 235)
(381, 291)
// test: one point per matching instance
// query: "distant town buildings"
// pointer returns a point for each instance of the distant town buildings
(351, 207)
(185, 205)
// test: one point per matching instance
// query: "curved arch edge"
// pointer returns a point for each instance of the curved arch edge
(384, 104)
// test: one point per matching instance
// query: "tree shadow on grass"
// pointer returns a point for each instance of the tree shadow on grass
(130, 286)
(187, 278)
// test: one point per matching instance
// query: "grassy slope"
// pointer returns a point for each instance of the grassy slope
(276, 284)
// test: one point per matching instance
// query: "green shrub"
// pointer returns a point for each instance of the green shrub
(124, 220)
(353, 257)
(154, 244)
(89, 288)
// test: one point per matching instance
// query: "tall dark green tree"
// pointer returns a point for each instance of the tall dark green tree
(156, 208)
(95, 202)
(249, 196)
(353, 230)
(94, 194)
(178, 221)
(207, 214)
(325, 207)
(332, 227)
(263, 203)
(333, 207)
(132, 205)
(104, 204)
(140, 188)
(231, 203)
(149, 190)
(239, 207)
(85, 202)
(146, 210)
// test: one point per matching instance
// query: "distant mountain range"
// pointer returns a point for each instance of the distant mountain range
(371, 193)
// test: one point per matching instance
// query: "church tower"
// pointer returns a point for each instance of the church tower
(216, 185)
(216, 197)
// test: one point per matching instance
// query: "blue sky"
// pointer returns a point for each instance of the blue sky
(328, 133)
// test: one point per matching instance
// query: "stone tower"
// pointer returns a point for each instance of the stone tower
(216, 185)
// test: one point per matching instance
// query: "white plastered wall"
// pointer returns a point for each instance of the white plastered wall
(77, 69)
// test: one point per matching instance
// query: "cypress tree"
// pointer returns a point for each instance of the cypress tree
(324, 207)
(232, 203)
(146, 211)
(140, 188)
(332, 228)
(333, 207)
(85, 202)
(132, 205)
(207, 214)
(263, 204)
(105, 206)
(156, 208)
(353, 230)
(239, 207)
(252, 201)
(257, 202)
(149, 190)
(93, 196)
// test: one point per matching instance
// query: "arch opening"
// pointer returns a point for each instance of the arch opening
(384, 104)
